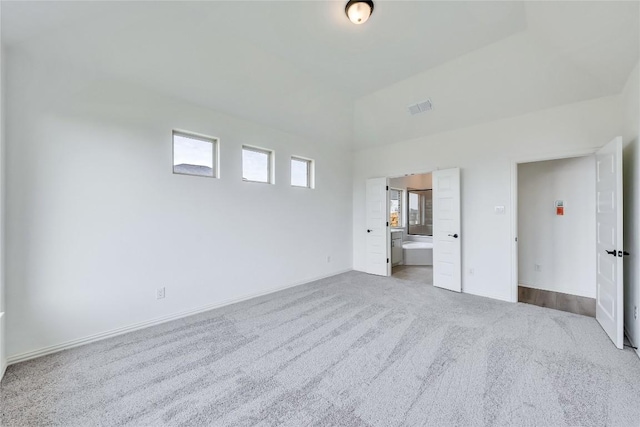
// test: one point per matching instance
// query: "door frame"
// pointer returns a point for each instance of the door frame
(413, 173)
(580, 152)
(389, 177)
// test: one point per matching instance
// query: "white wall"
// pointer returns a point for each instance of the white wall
(563, 246)
(485, 154)
(632, 204)
(96, 221)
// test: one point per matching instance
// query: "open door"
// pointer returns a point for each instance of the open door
(446, 229)
(377, 217)
(609, 249)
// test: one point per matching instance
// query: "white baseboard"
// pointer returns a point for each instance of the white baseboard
(141, 325)
(488, 295)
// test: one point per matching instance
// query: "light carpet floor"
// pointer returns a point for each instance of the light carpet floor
(350, 350)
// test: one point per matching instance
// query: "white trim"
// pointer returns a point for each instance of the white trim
(141, 325)
(514, 232)
(311, 180)
(406, 175)
(271, 175)
(565, 154)
(490, 295)
(581, 152)
(215, 151)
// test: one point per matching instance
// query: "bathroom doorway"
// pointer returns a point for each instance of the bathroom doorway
(411, 227)
(442, 251)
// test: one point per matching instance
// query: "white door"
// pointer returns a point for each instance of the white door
(377, 217)
(609, 255)
(446, 229)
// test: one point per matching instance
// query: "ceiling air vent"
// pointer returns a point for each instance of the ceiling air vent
(420, 107)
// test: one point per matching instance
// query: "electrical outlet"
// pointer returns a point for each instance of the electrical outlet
(635, 312)
(537, 267)
(471, 271)
(160, 293)
(329, 258)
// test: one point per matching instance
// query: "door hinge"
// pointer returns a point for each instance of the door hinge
(387, 260)
(387, 223)
(387, 188)
(516, 239)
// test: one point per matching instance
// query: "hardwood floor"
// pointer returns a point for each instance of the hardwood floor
(558, 301)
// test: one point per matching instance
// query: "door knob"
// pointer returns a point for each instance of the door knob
(369, 231)
(611, 252)
(455, 236)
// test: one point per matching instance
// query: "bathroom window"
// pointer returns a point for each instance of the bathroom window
(420, 212)
(301, 172)
(195, 154)
(395, 208)
(257, 165)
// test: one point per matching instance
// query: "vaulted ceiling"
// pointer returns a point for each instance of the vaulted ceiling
(301, 66)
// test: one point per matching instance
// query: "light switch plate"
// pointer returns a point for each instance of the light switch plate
(499, 210)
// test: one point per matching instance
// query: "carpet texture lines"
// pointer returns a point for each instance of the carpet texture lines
(349, 350)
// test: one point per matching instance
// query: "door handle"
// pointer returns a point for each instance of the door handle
(611, 252)
(455, 236)
(369, 231)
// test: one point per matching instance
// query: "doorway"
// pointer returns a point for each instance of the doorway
(445, 242)
(556, 234)
(608, 231)
(411, 227)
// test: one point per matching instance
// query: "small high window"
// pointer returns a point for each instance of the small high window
(257, 164)
(301, 172)
(194, 155)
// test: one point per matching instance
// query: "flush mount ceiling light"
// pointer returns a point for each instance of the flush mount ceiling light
(359, 11)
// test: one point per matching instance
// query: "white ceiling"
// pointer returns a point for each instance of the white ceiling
(312, 36)
(570, 52)
(302, 66)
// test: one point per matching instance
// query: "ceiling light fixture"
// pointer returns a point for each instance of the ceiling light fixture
(359, 11)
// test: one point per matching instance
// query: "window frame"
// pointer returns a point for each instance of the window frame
(420, 209)
(401, 213)
(215, 151)
(270, 163)
(310, 171)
